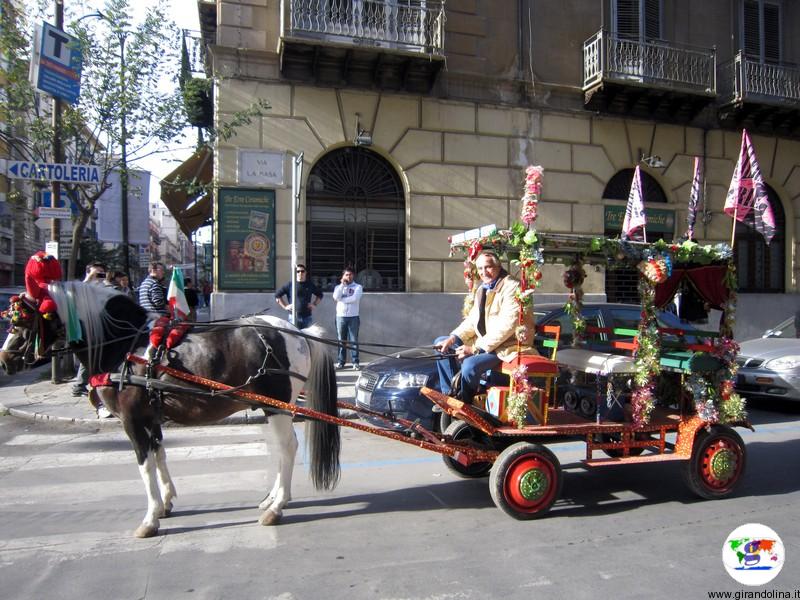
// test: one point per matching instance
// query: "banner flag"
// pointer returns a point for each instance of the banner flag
(178, 305)
(747, 193)
(634, 212)
(694, 197)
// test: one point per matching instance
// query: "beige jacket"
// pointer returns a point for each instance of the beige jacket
(502, 318)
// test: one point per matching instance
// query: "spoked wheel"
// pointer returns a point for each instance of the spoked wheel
(717, 463)
(460, 431)
(525, 481)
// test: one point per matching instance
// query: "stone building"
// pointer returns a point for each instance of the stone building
(416, 119)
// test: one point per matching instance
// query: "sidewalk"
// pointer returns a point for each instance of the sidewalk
(30, 395)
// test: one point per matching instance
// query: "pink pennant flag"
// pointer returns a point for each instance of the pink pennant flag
(747, 193)
(634, 212)
(694, 197)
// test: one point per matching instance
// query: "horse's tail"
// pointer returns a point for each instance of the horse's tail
(323, 438)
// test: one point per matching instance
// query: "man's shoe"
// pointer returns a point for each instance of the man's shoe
(79, 391)
(340, 366)
(356, 367)
(103, 413)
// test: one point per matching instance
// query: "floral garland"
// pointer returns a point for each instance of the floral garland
(646, 358)
(18, 311)
(574, 277)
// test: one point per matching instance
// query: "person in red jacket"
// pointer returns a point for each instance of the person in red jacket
(42, 269)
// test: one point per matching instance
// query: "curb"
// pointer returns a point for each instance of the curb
(257, 419)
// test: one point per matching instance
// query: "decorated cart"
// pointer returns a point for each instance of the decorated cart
(648, 393)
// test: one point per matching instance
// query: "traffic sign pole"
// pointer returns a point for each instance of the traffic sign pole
(58, 153)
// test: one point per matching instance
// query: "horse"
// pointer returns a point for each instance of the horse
(261, 354)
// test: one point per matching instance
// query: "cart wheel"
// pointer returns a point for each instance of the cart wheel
(525, 480)
(444, 421)
(587, 407)
(571, 400)
(461, 431)
(717, 463)
(617, 453)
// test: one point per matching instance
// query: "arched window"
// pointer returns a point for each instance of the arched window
(622, 285)
(760, 268)
(355, 217)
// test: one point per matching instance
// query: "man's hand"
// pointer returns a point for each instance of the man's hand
(311, 306)
(464, 351)
(443, 346)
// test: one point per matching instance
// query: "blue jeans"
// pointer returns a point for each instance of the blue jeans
(472, 369)
(347, 331)
(303, 322)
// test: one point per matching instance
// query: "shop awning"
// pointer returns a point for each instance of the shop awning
(186, 191)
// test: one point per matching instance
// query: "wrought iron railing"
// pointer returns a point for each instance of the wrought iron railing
(744, 78)
(193, 52)
(652, 63)
(409, 25)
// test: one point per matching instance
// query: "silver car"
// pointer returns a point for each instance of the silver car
(770, 366)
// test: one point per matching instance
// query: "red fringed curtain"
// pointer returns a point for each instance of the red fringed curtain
(709, 281)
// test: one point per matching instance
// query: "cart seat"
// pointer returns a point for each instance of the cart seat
(535, 364)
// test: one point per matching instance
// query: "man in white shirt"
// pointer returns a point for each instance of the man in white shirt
(347, 296)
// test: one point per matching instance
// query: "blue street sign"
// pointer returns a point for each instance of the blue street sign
(65, 202)
(59, 67)
(39, 171)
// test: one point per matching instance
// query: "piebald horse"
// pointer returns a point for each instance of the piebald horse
(281, 361)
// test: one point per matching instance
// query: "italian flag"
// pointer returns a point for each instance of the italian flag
(175, 296)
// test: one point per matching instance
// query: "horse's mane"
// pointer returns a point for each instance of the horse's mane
(88, 302)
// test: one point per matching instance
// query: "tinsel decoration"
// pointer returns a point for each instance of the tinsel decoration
(523, 335)
(18, 311)
(574, 277)
(530, 200)
(521, 390)
(642, 403)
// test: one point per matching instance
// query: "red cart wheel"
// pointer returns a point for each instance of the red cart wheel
(717, 463)
(525, 480)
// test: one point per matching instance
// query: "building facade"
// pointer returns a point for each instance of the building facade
(417, 118)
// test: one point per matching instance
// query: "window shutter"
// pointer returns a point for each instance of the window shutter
(652, 19)
(627, 19)
(752, 30)
(772, 33)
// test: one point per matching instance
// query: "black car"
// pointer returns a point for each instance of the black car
(391, 385)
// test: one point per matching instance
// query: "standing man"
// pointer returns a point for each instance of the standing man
(192, 298)
(152, 293)
(308, 297)
(347, 295)
(486, 336)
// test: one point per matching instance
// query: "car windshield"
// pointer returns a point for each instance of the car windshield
(784, 329)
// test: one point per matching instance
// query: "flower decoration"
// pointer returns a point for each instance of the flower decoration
(642, 403)
(523, 335)
(530, 200)
(521, 392)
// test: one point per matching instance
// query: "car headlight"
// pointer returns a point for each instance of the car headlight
(786, 363)
(402, 380)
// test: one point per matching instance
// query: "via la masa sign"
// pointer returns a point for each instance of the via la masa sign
(261, 167)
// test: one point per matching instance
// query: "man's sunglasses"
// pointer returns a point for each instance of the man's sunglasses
(100, 275)
(301, 270)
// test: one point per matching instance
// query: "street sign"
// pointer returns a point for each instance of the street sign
(52, 249)
(56, 65)
(64, 202)
(44, 212)
(40, 171)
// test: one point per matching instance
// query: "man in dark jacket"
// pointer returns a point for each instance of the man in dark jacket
(308, 297)
(152, 293)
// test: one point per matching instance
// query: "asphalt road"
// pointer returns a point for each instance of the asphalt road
(399, 525)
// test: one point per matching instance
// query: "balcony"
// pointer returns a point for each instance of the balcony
(759, 96)
(388, 44)
(652, 79)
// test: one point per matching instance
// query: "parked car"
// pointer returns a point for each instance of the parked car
(391, 385)
(769, 366)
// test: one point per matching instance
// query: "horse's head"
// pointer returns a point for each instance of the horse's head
(30, 337)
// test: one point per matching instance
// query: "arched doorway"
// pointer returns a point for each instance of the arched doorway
(355, 217)
(622, 285)
(760, 268)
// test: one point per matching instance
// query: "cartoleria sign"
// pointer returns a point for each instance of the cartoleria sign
(37, 171)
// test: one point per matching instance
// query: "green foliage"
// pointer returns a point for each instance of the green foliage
(198, 102)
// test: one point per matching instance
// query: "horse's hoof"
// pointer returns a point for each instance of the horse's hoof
(269, 518)
(145, 531)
